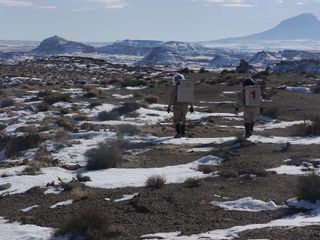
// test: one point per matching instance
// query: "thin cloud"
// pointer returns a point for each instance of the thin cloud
(230, 3)
(110, 4)
(15, 3)
(48, 7)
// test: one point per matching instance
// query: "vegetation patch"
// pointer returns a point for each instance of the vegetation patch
(155, 182)
(88, 223)
(308, 187)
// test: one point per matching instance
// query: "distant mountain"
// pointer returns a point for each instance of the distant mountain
(311, 66)
(58, 45)
(304, 26)
(161, 56)
(264, 58)
(130, 47)
(223, 61)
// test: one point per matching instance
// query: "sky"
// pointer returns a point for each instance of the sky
(111, 20)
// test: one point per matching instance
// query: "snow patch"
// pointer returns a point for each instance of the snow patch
(248, 204)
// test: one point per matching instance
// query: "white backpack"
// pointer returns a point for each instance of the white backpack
(185, 91)
(253, 96)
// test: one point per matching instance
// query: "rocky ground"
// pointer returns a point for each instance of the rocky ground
(53, 111)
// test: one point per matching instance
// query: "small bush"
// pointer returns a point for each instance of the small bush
(43, 107)
(229, 173)
(127, 107)
(192, 182)
(95, 104)
(272, 112)
(107, 155)
(127, 129)
(27, 129)
(65, 122)
(107, 116)
(5, 186)
(6, 102)
(82, 178)
(155, 182)
(133, 83)
(259, 172)
(206, 169)
(54, 97)
(88, 223)
(92, 92)
(308, 187)
(151, 99)
(33, 168)
(22, 143)
(312, 129)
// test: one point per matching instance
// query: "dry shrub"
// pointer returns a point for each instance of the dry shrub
(22, 143)
(308, 187)
(88, 223)
(192, 182)
(127, 107)
(5, 186)
(127, 129)
(229, 173)
(207, 169)
(43, 107)
(31, 129)
(65, 122)
(79, 193)
(306, 129)
(6, 102)
(107, 116)
(155, 182)
(133, 83)
(107, 155)
(61, 139)
(92, 92)
(82, 178)
(33, 168)
(151, 99)
(272, 112)
(259, 172)
(54, 97)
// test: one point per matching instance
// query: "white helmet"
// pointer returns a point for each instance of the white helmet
(177, 77)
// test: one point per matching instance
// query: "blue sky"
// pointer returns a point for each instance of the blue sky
(110, 20)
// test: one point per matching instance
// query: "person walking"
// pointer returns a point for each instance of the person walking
(250, 97)
(181, 98)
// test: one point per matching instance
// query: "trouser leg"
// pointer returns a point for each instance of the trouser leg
(178, 131)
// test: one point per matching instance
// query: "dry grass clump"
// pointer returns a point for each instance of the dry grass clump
(108, 116)
(5, 186)
(192, 182)
(272, 112)
(312, 129)
(206, 169)
(31, 129)
(43, 107)
(42, 159)
(127, 130)
(308, 187)
(82, 178)
(106, 155)
(127, 107)
(54, 97)
(92, 92)
(65, 122)
(155, 182)
(88, 223)
(151, 99)
(229, 173)
(6, 102)
(22, 143)
(133, 83)
(259, 172)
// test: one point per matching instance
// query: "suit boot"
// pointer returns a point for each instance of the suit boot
(247, 129)
(178, 131)
(251, 128)
(183, 130)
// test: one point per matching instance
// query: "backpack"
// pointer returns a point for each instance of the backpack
(252, 96)
(185, 91)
